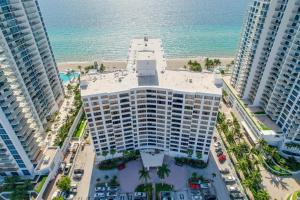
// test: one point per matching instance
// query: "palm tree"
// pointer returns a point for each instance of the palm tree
(125, 153)
(262, 194)
(163, 171)
(113, 152)
(216, 62)
(243, 164)
(199, 155)
(189, 152)
(144, 174)
(104, 153)
(207, 63)
(79, 67)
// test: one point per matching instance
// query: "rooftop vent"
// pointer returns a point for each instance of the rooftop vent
(190, 80)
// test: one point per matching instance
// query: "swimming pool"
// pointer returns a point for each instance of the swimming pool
(66, 78)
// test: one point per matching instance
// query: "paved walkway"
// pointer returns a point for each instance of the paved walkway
(61, 118)
(279, 187)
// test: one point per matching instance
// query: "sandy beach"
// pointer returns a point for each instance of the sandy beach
(111, 65)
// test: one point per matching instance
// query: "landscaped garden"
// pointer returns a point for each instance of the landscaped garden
(272, 154)
(40, 184)
(80, 127)
(64, 129)
(18, 187)
(116, 162)
(145, 188)
(246, 159)
(162, 187)
(190, 162)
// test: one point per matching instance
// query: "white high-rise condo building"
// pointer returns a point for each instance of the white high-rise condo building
(148, 107)
(30, 88)
(267, 67)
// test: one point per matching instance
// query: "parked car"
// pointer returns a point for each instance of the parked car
(99, 194)
(236, 195)
(72, 157)
(219, 153)
(67, 169)
(218, 149)
(78, 173)
(98, 189)
(57, 193)
(222, 158)
(75, 147)
(233, 189)
(224, 171)
(215, 138)
(229, 179)
(86, 135)
(62, 167)
(67, 195)
(73, 188)
(217, 144)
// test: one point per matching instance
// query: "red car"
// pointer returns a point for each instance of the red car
(194, 186)
(121, 166)
(222, 158)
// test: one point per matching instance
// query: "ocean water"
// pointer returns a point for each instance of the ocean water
(81, 30)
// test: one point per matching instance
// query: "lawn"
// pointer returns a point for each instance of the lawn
(80, 128)
(40, 184)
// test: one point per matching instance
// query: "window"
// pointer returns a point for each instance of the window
(26, 172)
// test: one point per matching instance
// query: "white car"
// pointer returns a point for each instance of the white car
(69, 197)
(217, 144)
(56, 194)
(99, 194)
(229, 179)
(233, 189)
(99, 189)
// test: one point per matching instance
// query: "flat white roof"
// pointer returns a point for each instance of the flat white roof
(152, 159)
(117, 81)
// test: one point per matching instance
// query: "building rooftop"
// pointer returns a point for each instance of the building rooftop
(141, 72)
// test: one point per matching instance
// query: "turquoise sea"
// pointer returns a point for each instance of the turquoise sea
(82, 30)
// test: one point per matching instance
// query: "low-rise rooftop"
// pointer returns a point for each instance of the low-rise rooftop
(141, 53)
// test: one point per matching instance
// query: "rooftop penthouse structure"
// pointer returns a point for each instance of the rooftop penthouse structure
(148, 107)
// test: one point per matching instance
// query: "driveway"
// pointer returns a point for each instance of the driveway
(85, 161)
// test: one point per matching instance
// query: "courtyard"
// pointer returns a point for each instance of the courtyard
(129, 178)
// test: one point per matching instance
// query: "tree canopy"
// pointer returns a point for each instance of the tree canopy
(64, 183)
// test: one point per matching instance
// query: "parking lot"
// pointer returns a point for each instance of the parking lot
(78, 159)
(227, 171)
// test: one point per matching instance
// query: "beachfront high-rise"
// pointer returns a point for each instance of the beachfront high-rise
(267, 66)
(148, 107)
(30, 88)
